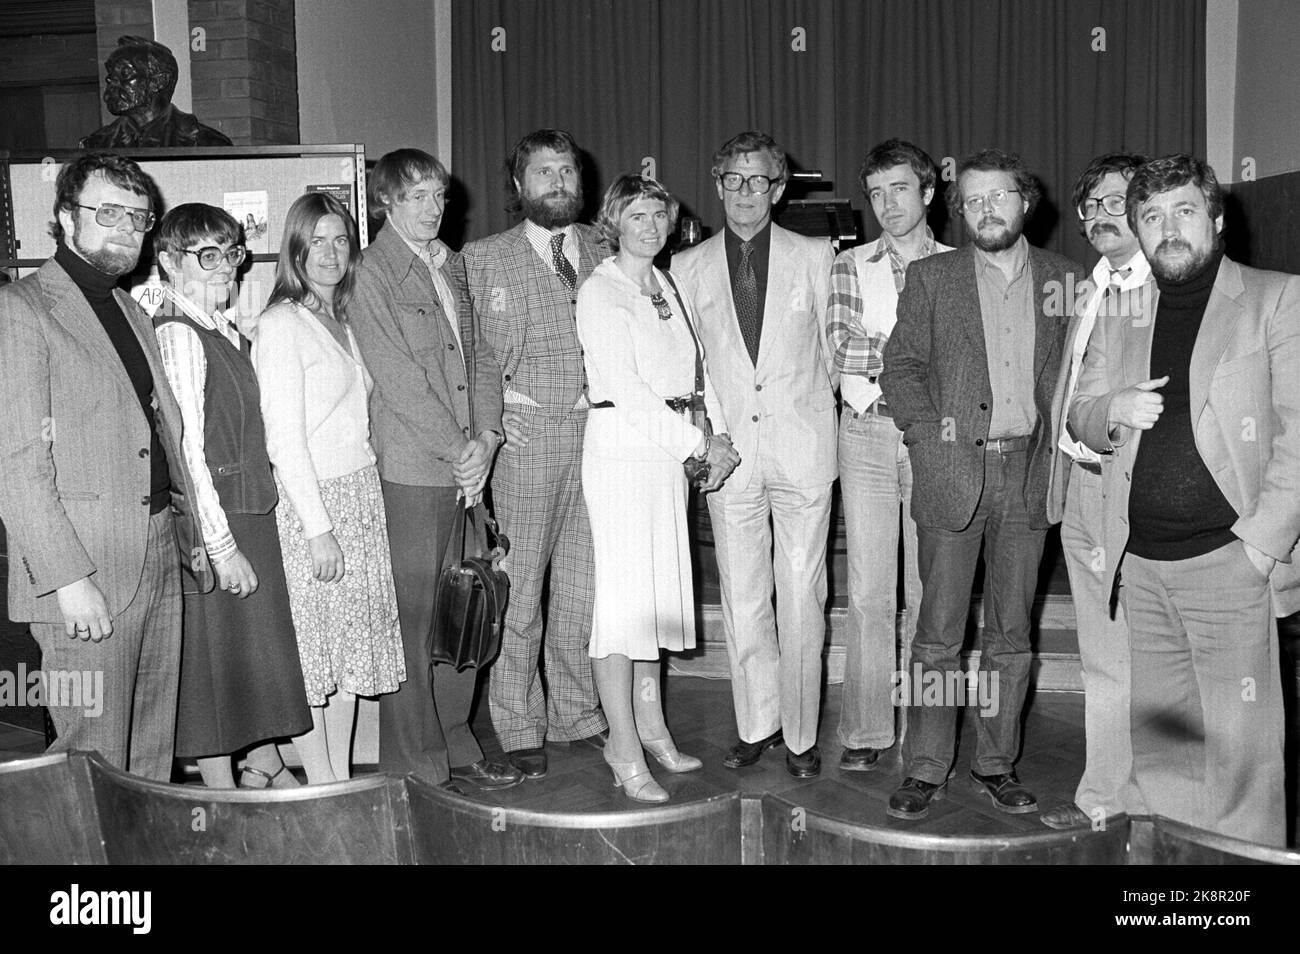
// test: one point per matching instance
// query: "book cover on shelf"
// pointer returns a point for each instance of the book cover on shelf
(251, 210)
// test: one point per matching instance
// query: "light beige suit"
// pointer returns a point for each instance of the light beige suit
(1245, 405)
(1206, 702)
(782, 413)
(1075, 501)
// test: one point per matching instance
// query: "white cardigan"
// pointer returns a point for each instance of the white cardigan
(314, 403)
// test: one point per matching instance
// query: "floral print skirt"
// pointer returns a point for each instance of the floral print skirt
(348, 633)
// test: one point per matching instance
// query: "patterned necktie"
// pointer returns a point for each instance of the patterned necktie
(563, 267)
(746, 295)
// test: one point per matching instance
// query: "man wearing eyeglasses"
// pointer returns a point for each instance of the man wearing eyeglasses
(1120, 285)
(90, 464)
(762, 293)
(969, 372)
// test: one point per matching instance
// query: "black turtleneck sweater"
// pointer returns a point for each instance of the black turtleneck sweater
(1176, 510)
(98, 289)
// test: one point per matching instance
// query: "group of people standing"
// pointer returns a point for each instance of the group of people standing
(1148, 408)
(319, 476)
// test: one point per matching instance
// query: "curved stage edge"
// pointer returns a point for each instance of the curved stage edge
(61, 809)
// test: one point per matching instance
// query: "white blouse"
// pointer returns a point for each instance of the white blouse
(314, 403)
(186, 368)
(638, 360)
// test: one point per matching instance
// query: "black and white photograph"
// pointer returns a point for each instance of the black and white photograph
(652, 432)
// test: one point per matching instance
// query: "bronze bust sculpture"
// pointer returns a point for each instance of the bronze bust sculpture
(140, 77)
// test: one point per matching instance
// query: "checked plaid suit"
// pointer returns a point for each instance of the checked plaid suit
(527, 315)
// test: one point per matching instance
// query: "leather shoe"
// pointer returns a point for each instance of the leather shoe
(859, 760)
(913, 798)
(747, 753)
(1065, 817)
(488, 776)
(805, 764)
(1006, 792)
(532, 762)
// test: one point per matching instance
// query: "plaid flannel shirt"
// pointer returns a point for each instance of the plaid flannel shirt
(857, 350)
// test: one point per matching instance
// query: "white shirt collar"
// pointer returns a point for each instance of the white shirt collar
(217, 321)
(434, 252)
(1136, 279)
(540, 239)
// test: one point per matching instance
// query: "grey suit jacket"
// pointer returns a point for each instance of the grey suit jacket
(1245, 407)
(784, 405)
(74, 450)
(512, 291)
(426, 397)
(936, 381)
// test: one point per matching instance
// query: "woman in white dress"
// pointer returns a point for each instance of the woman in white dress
(640, 349)
(315, 390)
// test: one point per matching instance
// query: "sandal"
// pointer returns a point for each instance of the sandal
(270, 779)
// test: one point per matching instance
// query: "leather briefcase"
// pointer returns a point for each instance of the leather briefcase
(470, 607)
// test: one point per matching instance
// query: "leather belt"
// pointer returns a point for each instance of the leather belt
(1091, 466)
(1006, 445)
(877, 408)
(677, 404)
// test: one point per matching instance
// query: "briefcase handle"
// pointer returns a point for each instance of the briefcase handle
(477, 522)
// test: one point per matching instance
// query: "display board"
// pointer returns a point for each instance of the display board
(256, 184)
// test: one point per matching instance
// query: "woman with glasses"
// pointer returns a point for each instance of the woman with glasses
(315, 390)
(644, 366)
(241, 682)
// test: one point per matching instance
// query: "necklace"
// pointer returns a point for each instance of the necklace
(661, 306)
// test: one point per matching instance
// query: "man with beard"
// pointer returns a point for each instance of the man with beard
(139, 79)
(90, 463)
(523, 287)
(1198, 409)
(1120, 283)
(969, 373)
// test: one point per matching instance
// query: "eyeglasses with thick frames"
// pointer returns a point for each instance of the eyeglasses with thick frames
(1114, 204)
(211, 256)
(109, 214)
(758, 185)
(998, 197)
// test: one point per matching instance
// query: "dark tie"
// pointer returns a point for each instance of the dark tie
(563, 267)
(746, 295)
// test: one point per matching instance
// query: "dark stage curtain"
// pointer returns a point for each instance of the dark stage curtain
(658, 85)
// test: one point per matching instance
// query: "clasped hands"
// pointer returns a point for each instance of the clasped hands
(722, 459)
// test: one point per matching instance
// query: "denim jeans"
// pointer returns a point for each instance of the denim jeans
(1013, 547)
(875, 486)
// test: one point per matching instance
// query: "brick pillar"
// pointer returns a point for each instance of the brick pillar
(118, 18)
(245, 75)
